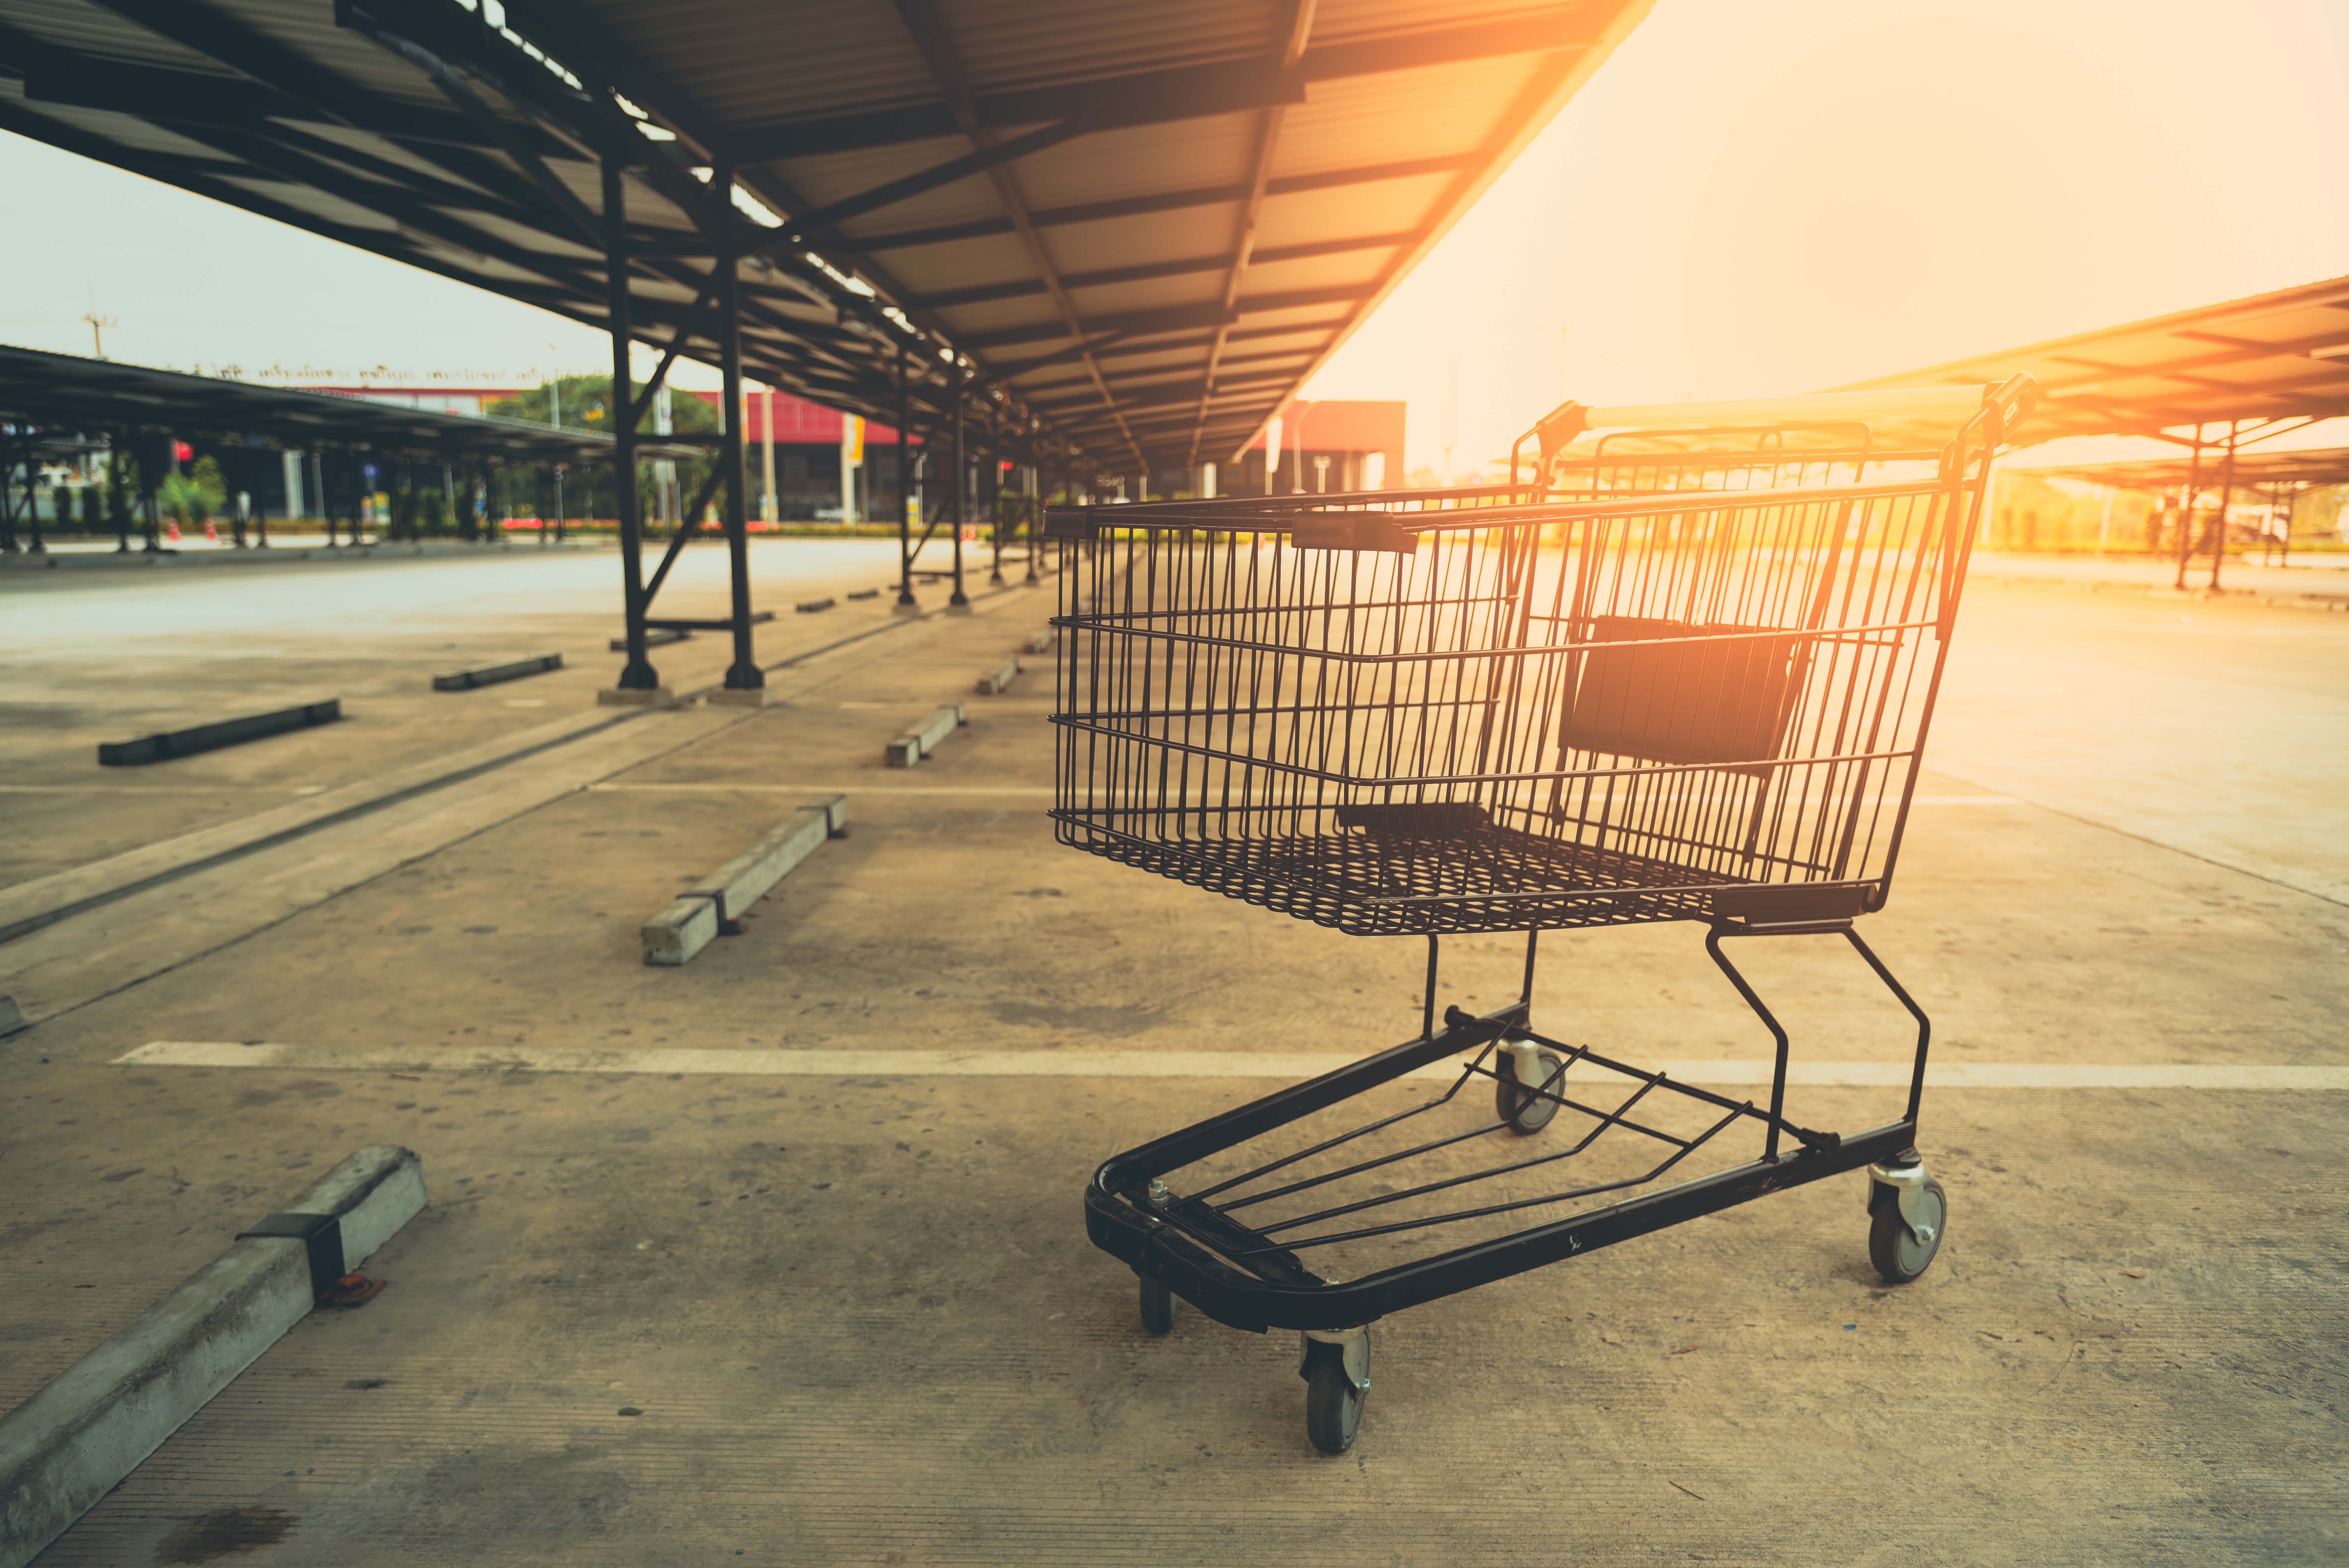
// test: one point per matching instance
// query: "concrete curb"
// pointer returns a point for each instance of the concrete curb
(138, 559)
(924, 737)
(490, 674)
(94, 1423)
(709, 909)
(187, 742)
(995, 682)
(1041, 642)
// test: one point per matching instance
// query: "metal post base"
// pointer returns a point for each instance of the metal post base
(634, 697)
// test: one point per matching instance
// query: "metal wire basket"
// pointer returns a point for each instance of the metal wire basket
(1681, 672)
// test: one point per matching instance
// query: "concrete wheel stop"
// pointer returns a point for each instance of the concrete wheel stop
(925, 737)
(490, 674)
(94, 1423)
(199, 738)
(712, 907)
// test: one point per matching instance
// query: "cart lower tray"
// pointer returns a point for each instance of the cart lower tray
(1475, 877)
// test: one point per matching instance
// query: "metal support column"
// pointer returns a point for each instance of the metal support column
(905, 602)
(637, 673)
(1037, 486)
(2186, 510)
(8, 503)
(743, 673)
(32, 503)
(992, 502)
(959, 601)
(2225, 497)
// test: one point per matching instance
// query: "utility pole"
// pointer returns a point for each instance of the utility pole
(97, 326)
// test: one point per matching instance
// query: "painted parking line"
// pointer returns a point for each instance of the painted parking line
(1045, 791)
(686, 1061)
(1026, 791)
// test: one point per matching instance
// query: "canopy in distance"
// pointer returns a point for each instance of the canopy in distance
(2277, 355)
(2253, 470)
(59, 391)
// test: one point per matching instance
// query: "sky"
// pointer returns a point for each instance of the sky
(1751, 199)
(1748, 199)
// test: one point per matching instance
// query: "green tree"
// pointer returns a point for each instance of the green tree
(585, 405)
(192, 498)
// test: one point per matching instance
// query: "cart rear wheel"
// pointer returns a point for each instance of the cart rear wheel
(1157, 1305)
(1334, 1405)
(1514, 1101)
(1894, 1248)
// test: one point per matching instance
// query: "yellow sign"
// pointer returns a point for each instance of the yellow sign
(851, 439)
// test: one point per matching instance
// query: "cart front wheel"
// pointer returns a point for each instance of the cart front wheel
(1157, 1305)
(1335, 1393)
(1517, 1102)
(1897, 1250)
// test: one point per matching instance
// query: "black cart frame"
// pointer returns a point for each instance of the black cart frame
(1683, 671)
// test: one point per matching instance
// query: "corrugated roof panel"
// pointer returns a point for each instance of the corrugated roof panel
(341, 55)
(1139, 222)
(1416, 114)
(308, 199)
(555, 248)
(1142, 162)
(1155, 293)
(1320, 272)
(965, 263)
(983, 320)
(1007, 42)
(836, 177)
(383, 150)
(91, 29)
(1383, 207)
(746, 63)
(1126, 242)
(1348, 19)
(132, 132)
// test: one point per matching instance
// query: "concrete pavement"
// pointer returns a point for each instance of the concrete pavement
(855, 1319)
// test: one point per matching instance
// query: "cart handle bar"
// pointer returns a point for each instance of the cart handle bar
(1949, 406)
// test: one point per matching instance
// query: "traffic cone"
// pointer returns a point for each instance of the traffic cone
(174, 534)
(211, 533)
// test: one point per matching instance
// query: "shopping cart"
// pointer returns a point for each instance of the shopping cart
(1680, 667)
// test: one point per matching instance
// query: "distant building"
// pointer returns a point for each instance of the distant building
(1327, 445)
(475, 400)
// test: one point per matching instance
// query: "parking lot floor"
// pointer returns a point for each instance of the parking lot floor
(753, 1312)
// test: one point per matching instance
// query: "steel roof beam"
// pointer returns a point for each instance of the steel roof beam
(1267, 137)
(1241, 84)
(1175, 318)
(1022, 288)
(929, 35)
(1165, 201)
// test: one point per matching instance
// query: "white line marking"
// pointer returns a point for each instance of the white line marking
(1044, 791)
(1288, 1065)
(1026, 791)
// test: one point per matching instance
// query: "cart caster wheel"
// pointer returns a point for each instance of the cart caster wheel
(1337, 1384)
(1523, 1069)
(1904, 1236)
(1157, 1305)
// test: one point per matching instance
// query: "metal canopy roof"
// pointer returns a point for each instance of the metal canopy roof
(1143, 226)
(60, 391)
(2278, 356)
(2257, 471)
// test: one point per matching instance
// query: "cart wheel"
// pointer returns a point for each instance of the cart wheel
(1894, 1248)
(1157, 1305)
(1334, 1395)
(1513, 1099)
